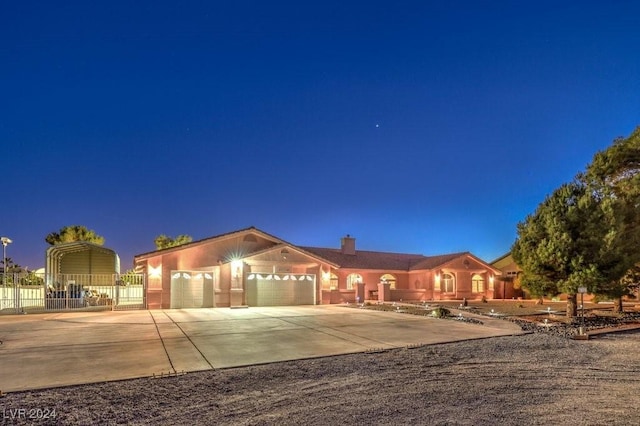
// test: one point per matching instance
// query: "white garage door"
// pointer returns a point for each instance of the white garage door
(186, 291)
(280, 289)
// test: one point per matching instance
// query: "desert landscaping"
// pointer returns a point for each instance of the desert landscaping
(540, 378)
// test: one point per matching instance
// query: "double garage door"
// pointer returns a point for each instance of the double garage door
(280, 289)
(195, 290)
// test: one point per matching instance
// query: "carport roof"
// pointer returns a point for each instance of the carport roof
(75, 246)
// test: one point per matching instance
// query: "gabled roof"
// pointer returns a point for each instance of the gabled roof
(362, 259)
(297, 249)
(252, 229)
(382, 260)
(432, 262)
(504, 256)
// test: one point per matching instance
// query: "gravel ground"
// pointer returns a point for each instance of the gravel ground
(536, 379)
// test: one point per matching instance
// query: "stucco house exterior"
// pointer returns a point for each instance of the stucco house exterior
(505, 282)
(250, 267)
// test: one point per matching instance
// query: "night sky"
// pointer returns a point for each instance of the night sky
(421, 127)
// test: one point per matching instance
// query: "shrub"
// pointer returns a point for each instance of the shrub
(440, 312)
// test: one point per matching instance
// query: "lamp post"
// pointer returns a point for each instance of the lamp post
(5, 242)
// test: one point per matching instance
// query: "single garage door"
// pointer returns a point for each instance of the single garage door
(186, 292)
(280, 289)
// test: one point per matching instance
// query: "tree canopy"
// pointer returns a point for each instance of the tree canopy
(586, 233)
(73, 233)
(163, 241)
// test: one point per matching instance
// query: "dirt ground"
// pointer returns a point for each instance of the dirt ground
(536, 379)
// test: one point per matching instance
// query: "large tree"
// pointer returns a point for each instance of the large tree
(586, 234)
(73, 233)
(614, 178)
(554, 245)
(163, 241)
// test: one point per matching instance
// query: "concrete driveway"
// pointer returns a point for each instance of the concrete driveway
(58, 349)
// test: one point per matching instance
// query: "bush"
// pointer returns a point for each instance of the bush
(440, 312)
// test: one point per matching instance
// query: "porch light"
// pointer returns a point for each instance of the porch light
(236, 266)
(154, 272)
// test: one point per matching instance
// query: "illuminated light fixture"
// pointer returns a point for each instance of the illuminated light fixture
(438, 277)
(236, 268)
(491, 278)
(176, 275)
(326, 276)
(154, 272)
(251, 276)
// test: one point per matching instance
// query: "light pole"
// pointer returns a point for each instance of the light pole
(5, 242)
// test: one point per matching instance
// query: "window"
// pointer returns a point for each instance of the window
(329, 281)
(352, 280)
(388, 278)
(477, 284)
(333, 282)
(448, 283)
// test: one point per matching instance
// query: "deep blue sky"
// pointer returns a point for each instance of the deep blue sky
(423, 127)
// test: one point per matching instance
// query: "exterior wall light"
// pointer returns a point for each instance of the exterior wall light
(154, 272)
(236, 268)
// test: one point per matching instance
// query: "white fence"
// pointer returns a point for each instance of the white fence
(25, 293)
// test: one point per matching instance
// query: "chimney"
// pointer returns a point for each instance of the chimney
(348, 245)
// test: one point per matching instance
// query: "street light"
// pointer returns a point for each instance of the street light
(5, 242)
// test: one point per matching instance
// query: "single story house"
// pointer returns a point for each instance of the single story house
(250, 267)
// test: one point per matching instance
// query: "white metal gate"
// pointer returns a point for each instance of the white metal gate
(32, 293)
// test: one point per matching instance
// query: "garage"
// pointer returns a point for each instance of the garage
(280, 289)
(188, 290)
